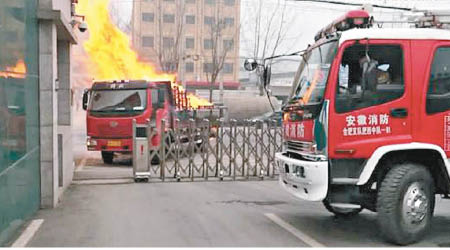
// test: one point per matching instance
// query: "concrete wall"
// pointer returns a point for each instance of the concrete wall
(48, 115)
(64, 6)
(54, 105)
(64, 115)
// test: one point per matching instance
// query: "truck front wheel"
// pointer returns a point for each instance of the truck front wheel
(107, 157)
(405, 203)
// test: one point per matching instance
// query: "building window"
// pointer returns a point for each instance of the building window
(207, 44)
(438, 95)
(227, 68)
(168, 42)
(210, 2)
(148, 17)
(147, 41)
(190, 19)
(189, 1)
(169, 0)
(228, 21)
(228, 44)
(189, 67)
(229, 2)
(190, 43)
(169, 18)
(208, 20)
(207, 67)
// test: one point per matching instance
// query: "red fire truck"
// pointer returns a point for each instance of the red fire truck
(112, 106)
(367, 125)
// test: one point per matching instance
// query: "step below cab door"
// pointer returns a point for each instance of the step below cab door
(371, 100)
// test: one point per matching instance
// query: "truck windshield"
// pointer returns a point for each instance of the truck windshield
(311, 78)
(133, 100)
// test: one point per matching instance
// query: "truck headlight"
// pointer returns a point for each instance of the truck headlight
(91, 142)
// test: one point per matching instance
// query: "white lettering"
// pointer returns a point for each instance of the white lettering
(373, 120)
(362, 120)
(301, 130)
(384, 119)
(350, 120)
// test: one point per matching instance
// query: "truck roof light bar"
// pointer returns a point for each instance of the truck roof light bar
(352, 19)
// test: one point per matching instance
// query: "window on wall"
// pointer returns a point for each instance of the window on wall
(190, 43)
(147, 41)
(168, 42)
(227, 68)
(148, 17)
(228, 44)
(207, 44)
(364, 83)
(438, 95)
(210, 2)
(190, 19)
(228, 2)
(208, 20)
(228, 21)
(207, 67)
(169, 18)
(189, 67)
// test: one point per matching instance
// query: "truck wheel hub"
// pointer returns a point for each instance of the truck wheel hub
(415, 204)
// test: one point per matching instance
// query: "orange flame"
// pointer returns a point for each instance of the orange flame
(111, 54)
(17, 71)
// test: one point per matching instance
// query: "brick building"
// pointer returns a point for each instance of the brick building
(170, 32)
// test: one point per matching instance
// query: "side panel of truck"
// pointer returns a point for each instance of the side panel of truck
(432, 126)
(359, 132)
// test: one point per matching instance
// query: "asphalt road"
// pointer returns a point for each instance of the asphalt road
(201, 214)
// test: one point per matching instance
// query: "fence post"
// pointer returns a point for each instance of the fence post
(220, 149)
(162, 150)
(269, 146)
(247, 158)
(177, 150)
(244, 138)
(205, 148)
(233, 142)
(191, 147)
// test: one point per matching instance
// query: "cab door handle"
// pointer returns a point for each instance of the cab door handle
(399, 112)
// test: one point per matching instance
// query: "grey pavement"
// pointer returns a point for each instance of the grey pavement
(202, 214)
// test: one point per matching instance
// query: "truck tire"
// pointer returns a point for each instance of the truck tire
(405, 203)
(338, 211)
(107, 157)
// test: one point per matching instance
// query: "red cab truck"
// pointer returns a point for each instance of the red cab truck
(367, 125)
(112, 106)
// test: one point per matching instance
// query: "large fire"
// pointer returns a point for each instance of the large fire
(113, 58)
(17, 71)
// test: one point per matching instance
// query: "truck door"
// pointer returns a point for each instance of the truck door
(434, 124)
(158, 104)
(372, 98)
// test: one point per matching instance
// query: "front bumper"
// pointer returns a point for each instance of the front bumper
(307, 180)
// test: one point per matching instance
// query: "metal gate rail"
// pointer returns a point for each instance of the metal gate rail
(204, 150)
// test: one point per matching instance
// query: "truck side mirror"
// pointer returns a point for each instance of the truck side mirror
(250, 64)
(85, 98)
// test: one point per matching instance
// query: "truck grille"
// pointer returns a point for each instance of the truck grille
(299, 146)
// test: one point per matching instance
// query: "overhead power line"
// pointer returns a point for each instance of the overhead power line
(355, 4)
